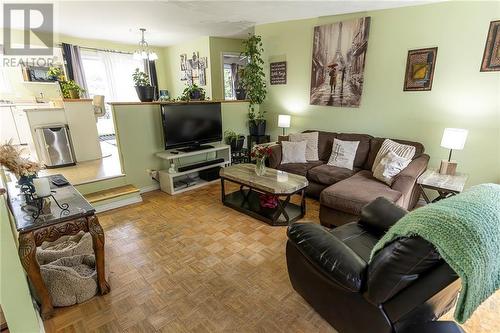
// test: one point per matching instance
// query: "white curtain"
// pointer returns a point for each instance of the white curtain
(119, 68)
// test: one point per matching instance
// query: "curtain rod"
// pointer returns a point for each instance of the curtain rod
(97, 49)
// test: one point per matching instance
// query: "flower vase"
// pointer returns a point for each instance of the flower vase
(260, 166)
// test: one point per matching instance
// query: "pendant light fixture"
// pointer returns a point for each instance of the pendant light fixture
(144, 53)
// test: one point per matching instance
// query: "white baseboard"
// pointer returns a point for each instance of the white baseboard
(149, 188)
(118, 204)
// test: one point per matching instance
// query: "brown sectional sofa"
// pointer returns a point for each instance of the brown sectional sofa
(342, 192)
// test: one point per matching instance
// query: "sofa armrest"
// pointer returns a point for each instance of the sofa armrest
(275, 158)
(405, 180)
(335, 259)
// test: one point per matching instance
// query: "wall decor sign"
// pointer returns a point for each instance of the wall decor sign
(193, 70)
(491, 57)
(277, 72)
(338, 63)
(420, 69)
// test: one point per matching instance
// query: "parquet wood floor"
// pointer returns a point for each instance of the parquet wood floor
(188, 264)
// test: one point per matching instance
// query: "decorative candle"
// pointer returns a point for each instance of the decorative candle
(42, 187)
(282, 176)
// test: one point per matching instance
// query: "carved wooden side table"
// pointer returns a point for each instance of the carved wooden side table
(79, 216)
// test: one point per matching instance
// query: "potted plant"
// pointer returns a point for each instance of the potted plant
(24, 169)
(234, 140)
(55, 74)
(253, 81)
(145, 91)
(70, 89)
(193, 93)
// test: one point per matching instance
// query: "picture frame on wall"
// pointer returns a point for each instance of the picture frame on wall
(420, 66)
(491, 56)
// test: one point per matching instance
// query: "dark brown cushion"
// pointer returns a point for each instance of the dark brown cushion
(363, 147)
(376, 143)
(329, 174)
(351, 194)
(299, 168)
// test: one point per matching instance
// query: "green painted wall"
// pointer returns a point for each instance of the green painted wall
(15, 297)
(217, 47)
(140, 136)
(461, 96)
(173, 68)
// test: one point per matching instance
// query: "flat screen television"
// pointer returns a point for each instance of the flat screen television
(188, 126)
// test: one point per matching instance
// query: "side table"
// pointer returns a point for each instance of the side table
(78, 216)
(445, 185)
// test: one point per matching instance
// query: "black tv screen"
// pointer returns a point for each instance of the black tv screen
(191, 124)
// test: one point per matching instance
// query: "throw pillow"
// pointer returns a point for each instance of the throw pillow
(343, 154)
(312, 143)
(293, 152)
(399, 149)
(390, 166)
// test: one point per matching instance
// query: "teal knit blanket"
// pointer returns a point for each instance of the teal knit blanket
(465, 229)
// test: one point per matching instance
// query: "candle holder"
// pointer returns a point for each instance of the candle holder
(42, 204)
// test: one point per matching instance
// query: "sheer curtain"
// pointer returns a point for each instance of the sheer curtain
(119, 68)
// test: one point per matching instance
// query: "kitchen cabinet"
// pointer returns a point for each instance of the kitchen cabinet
(8, 130)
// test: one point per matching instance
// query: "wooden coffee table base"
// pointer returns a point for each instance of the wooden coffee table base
(246, 200)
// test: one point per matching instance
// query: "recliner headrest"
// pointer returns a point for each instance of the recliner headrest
(381, 214)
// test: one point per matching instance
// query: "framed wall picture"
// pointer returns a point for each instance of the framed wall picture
(420, 69)
(338, 63)
(491, 57)
(277, 72)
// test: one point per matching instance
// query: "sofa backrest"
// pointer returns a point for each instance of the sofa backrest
(367, 149)
(376, 143)
(325, 143)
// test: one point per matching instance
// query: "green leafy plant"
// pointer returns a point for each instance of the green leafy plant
(193, 92)
(253, 78)
(68, 86)
(230, 135)
(56, 73)
(141, 79)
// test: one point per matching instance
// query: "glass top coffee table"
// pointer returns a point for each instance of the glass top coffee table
(275, 188)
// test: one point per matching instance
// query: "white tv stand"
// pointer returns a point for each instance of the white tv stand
(178, 182)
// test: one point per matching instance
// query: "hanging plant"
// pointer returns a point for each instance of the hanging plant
(253, 78)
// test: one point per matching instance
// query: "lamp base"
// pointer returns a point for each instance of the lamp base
(282, 138)
(448, 167)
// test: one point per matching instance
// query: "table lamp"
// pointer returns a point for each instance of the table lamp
(284, 121)
(453, 138)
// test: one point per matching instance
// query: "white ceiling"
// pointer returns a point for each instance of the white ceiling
(171, 22)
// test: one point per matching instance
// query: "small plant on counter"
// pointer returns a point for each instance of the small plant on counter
(56, 74)
(234, 140)
(193, 92)
(141, 79)
(145, 91)
(70, 89)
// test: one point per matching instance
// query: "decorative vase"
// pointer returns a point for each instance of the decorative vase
(260, 166)
(26, 184)
(257, 127)
(241, 94)
(145, 93)
(237, 144)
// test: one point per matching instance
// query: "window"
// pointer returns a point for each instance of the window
(228, 87)
(233, 63)
(110, 74)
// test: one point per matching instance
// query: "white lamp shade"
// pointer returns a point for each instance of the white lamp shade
(454, 138)
(284, 120)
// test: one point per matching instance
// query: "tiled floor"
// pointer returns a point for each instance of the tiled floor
(187, 264)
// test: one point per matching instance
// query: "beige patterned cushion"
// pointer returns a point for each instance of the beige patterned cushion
(390, 166)
(401, 150)
(312, 143)
(343, 153)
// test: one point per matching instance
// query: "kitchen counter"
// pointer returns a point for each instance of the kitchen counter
(42, 109)
(179, 102)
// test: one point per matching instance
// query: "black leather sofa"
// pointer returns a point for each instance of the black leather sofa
(406, 284)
